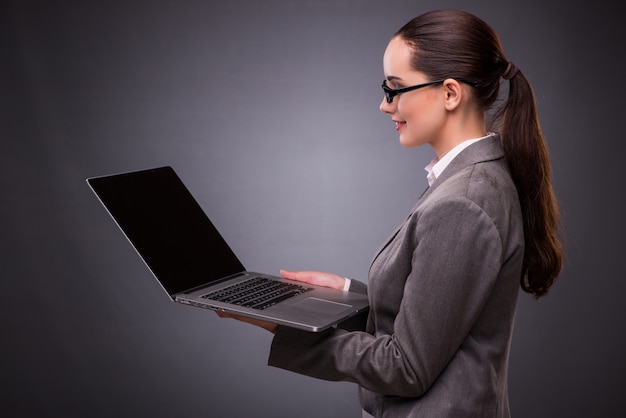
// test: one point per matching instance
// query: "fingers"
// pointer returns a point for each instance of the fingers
(315, 277)
(271, 327)
(302, 276)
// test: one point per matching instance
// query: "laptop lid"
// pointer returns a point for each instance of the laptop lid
(167, 227)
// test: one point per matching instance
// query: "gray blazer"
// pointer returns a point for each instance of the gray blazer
(442, 293)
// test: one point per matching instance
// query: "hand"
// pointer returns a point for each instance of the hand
(269, 326)
(316, 277)
(312, 277)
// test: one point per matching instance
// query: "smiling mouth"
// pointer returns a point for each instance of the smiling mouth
(399, 125)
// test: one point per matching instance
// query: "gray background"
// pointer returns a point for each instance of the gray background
(269, 111)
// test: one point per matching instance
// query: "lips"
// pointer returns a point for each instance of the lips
(399, 125)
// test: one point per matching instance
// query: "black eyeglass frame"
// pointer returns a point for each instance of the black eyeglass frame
(391, 93)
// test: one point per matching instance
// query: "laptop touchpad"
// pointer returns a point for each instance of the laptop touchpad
(320, 305)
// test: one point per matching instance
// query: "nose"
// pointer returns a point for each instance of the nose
(385, 107)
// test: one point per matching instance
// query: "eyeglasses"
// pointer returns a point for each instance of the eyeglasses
(391, 93)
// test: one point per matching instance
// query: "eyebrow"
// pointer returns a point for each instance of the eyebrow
(393, 77)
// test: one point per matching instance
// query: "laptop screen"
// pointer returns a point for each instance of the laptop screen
(167, 227)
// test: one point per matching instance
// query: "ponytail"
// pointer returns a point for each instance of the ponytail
(528, 160)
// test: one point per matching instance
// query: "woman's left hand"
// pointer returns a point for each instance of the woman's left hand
(268, 326)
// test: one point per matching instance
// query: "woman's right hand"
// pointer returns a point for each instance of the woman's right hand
(316, 277)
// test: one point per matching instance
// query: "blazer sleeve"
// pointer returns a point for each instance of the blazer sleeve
(457, 254)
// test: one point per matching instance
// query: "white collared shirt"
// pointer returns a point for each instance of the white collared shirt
(436, 166)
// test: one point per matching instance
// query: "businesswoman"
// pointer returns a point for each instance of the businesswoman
(443, 287)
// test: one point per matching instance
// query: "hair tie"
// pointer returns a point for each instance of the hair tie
(510, 72)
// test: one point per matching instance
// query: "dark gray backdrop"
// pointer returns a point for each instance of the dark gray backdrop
(269, 111)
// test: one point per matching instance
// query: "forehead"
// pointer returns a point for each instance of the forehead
(397, 58)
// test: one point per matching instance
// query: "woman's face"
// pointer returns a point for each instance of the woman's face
(419, 115)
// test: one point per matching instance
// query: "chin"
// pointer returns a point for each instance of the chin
(408, 143)
(412, 141)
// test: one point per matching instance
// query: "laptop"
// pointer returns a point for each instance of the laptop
(195, 266)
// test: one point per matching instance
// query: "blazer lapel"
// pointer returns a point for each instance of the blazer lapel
(484, 150)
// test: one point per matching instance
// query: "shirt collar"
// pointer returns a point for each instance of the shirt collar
(436, 166)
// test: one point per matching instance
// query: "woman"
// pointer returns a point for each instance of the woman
(443, 288)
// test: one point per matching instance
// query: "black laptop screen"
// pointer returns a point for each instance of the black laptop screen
(167, 227)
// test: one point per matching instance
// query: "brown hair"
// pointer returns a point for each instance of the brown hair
(457, 44)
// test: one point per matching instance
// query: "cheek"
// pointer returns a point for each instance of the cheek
(412, 113)
(422, 112)
(423, 123)
(406, 110)
(411, 134)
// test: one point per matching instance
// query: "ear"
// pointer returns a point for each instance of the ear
(453, 92)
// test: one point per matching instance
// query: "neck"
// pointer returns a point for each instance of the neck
(457, 130)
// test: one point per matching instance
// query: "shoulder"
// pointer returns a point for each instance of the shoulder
(480, 174)
(476, 182)
(480, 194)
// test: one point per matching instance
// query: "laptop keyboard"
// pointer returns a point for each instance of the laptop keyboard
(257, 293)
